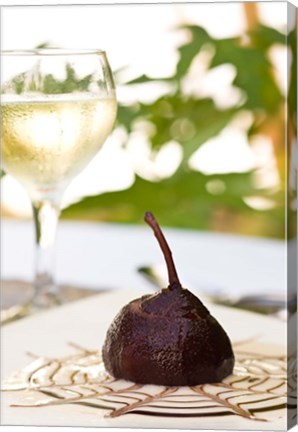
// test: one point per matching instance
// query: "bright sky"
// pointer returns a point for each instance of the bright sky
(143, 37)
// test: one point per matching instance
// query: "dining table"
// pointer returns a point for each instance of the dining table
(104, 259)
(104, 256)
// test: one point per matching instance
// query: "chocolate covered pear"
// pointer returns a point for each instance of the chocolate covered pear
(168, 338)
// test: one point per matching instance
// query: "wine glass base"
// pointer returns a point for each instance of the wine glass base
(16, 297)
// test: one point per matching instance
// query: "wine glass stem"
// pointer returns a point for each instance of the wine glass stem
(46, 214)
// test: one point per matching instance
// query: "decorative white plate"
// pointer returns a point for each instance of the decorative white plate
(52, 360)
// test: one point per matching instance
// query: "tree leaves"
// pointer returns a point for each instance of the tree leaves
(254, 74)
(180, 200)
(190, 50)
(191, 120)
(292, 94)
(188, 121)
(70, 84)
(254, 70)
(33, 81)
(264, 37)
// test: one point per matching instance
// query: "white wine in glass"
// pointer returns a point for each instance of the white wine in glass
(57, 109)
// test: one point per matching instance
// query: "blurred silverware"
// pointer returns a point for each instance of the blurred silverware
(268, 304)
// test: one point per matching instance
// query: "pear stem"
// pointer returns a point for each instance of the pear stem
(172, 273)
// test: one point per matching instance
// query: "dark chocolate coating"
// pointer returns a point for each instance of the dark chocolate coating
(168, 338)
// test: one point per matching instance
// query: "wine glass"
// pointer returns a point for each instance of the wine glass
(57, 108)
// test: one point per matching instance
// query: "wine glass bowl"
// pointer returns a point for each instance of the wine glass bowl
(56, 113)
(57, 109)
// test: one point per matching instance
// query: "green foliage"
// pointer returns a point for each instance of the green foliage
(254, 77)
(69, 85)
(181, 200)
(265, 37)
(189, 121)
(292, 95)
(33, 81)
(189, 51)
(18, 83)
(254, 74)
(185, 199)
(176, 199)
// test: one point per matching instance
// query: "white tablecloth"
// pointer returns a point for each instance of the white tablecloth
(104, 256)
